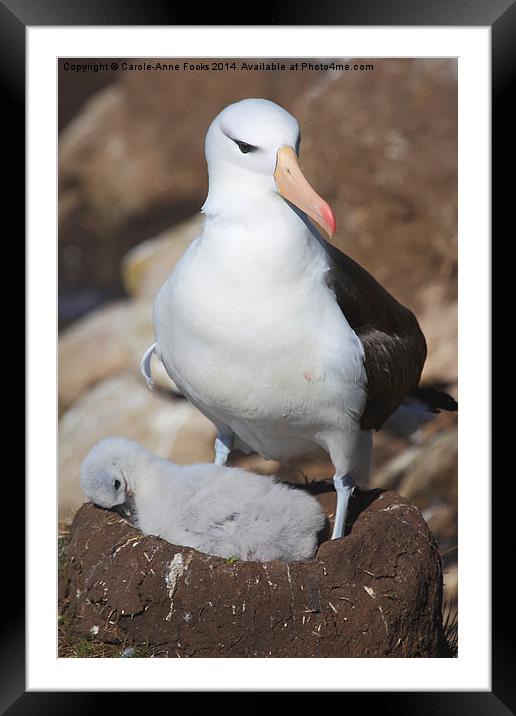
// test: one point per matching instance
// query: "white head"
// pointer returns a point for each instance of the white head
(252, 148)
(108, 472)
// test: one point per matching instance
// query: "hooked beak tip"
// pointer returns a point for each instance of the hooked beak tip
(330, 223)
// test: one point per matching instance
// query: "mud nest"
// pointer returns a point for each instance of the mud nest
(375, 593)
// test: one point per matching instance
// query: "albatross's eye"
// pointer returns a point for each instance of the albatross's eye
(116, 484)
(244, 147)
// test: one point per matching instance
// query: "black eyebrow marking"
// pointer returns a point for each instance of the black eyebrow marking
(244, 147)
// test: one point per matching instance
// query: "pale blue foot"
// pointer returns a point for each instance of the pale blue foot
(223, 446)
(344, 487)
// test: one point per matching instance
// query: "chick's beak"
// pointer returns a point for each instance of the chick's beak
(293, 186)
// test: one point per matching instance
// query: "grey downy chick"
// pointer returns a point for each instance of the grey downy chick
(218, 510)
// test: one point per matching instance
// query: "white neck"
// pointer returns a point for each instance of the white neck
(230, 186)
(261, 238)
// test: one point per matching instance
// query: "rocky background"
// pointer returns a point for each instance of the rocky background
(379, 146)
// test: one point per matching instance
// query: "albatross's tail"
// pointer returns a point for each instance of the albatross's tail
(419, 407)
(435, 399)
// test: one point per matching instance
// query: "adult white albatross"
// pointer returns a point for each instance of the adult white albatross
(280, 339)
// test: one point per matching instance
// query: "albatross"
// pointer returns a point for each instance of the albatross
(219, 510)
(280, 339)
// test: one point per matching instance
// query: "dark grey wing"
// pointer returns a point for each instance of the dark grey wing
(395, 347)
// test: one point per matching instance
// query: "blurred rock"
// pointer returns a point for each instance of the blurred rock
(124, 406)
(106, 343)
(451, 584)
(427, 475)
(433, 472)
(99, 346)
(146, 267)
(424, 471)
(74, 93)
(390, 475)
(438, 319)
(375, 593)
(381, 148)
(442, 521)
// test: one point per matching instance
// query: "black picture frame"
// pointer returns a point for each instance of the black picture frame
(500, 16)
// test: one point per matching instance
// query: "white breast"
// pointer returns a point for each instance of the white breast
(256, 339)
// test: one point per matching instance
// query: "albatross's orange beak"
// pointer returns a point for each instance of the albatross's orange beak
(293, 186)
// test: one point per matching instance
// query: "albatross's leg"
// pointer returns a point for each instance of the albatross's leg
(344, 487)
(223, 446)
(351, 469)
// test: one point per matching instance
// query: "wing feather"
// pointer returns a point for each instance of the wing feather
(394, 346)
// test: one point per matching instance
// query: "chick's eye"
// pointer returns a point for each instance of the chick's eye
(244, 147)
(116, 484)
